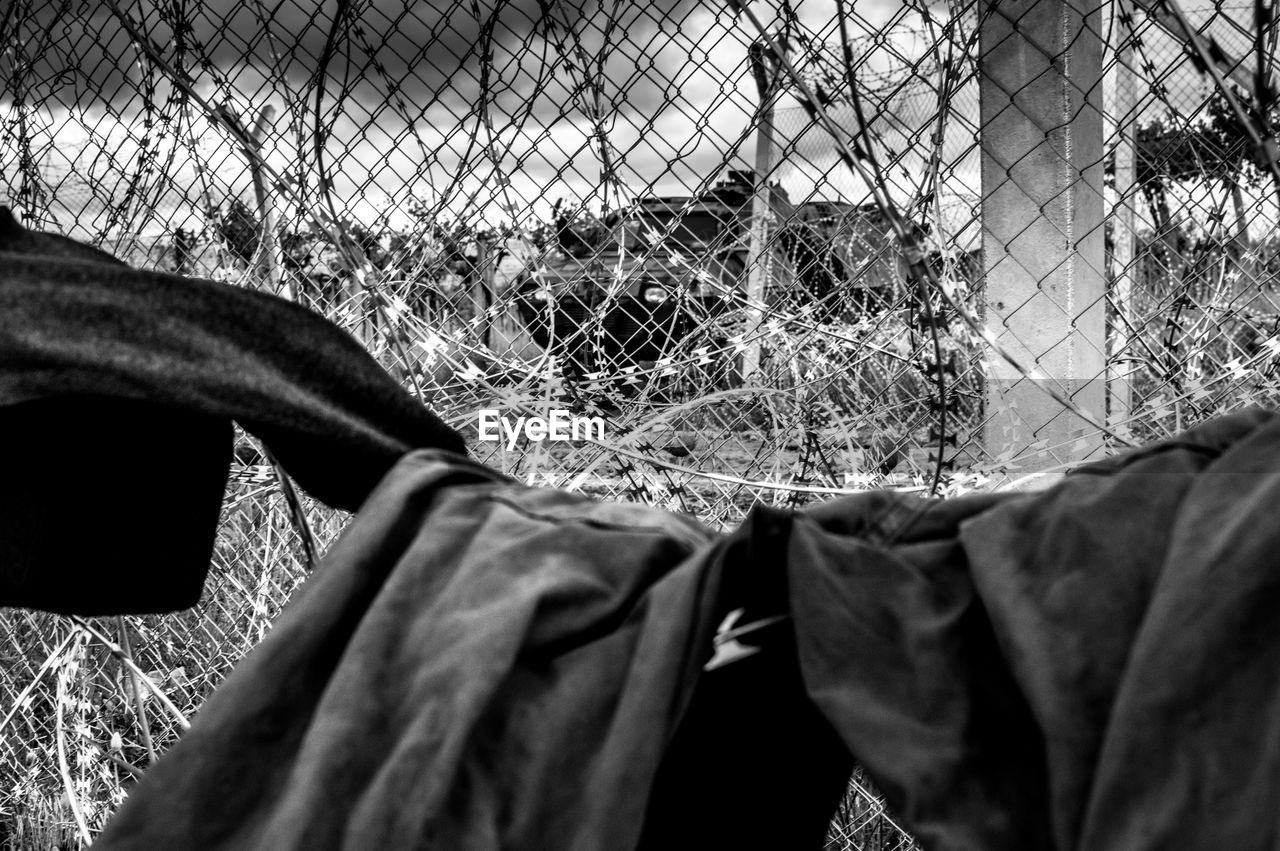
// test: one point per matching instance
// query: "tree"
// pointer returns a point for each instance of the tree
(238, 228)
(1216, 148)
(573, 230)
(184, 249)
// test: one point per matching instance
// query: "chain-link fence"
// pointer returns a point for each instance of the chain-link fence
(768, 252)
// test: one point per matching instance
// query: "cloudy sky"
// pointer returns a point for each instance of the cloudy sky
(413, 110)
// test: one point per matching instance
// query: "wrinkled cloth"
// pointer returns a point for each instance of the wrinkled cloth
(1093, 667)
(483, 665)
(476, 664)
(117, 392)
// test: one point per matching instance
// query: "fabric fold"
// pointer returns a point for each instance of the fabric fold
(477, 664)
(1090, 667)
(120, 385)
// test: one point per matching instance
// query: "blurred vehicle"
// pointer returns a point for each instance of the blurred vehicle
(676, 267)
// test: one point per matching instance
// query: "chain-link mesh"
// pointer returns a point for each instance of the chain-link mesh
(763, 253)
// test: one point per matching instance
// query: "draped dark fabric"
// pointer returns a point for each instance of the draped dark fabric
(478, 664)
(1093, 667)
(117, 392)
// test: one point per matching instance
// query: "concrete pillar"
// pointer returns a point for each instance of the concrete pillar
(759, 251)
(482, 288)
(1042, 236)
(1121, 97)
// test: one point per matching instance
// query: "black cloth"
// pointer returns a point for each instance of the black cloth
(483, 665)
(117, 392)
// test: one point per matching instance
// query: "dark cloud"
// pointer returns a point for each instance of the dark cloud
(403, 86)
(423, 51)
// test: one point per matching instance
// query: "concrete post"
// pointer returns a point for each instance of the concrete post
(1042, 212)
(270, 264)
(1121, 121)
(759, 252)
(482, 288)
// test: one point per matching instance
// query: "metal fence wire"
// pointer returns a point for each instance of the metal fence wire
(782, 250)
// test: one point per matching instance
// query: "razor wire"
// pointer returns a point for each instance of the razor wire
(644, 214)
